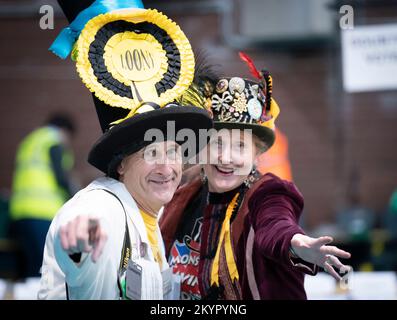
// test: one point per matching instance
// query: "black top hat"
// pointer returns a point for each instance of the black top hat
(136, 62)
(72, 8)
(129, 136)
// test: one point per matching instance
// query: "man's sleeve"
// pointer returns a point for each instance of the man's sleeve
(94, 204)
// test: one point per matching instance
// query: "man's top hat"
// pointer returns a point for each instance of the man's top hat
(137, 63)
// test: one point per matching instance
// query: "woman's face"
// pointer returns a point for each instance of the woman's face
(232, 155)
(152, 174)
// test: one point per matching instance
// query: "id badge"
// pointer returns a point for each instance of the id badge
(134, 281)
(144, 280)
(171, 285)
(166, 276)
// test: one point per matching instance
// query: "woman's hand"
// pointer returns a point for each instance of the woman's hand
(83, 234)
(316, 251)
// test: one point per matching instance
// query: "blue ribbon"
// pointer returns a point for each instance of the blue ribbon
(63, 44)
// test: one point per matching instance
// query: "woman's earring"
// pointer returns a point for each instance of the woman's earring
(251, 178)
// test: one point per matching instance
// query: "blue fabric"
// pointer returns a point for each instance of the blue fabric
(63, 44)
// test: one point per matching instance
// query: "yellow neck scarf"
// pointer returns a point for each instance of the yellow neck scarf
(151, 229)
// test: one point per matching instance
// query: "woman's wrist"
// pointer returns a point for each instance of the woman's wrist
(295, 244)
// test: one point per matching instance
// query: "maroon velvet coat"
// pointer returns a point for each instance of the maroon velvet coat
(261, 235)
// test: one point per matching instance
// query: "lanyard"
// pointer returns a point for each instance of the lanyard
(125, 251)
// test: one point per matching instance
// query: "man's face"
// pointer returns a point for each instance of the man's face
(231, 154)
(152, 174)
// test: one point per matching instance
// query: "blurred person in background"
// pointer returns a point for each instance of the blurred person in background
(390, 219)
(393, 203)
(41, 185)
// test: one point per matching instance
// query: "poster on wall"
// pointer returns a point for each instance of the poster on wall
(369, 58)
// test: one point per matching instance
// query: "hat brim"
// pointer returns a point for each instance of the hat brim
(265, 134)
(128, 136)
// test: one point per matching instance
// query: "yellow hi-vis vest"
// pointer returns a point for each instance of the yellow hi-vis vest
(35, 191)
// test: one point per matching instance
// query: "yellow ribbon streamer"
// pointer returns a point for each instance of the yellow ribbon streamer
(225, 236)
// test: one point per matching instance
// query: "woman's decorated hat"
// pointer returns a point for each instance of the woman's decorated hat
(238, 103)
(137, 63)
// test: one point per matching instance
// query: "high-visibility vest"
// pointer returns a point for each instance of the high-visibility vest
(35, 191)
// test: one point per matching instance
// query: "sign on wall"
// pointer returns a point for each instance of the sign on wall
(369, 58)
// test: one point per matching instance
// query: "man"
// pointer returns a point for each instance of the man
(110, 227)
(41, 185)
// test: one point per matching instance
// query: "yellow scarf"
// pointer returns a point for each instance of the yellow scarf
(225, 236)
(151, 229)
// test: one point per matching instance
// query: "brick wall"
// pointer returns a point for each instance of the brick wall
(331, 134)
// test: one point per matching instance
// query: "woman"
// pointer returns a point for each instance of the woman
(234, 234)
(105, 242)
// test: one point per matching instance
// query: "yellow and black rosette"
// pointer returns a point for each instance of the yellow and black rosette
(132, 56)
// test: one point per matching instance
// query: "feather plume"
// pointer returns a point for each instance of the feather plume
(251, 65)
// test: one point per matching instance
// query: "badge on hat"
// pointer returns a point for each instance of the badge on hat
(132, 56)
